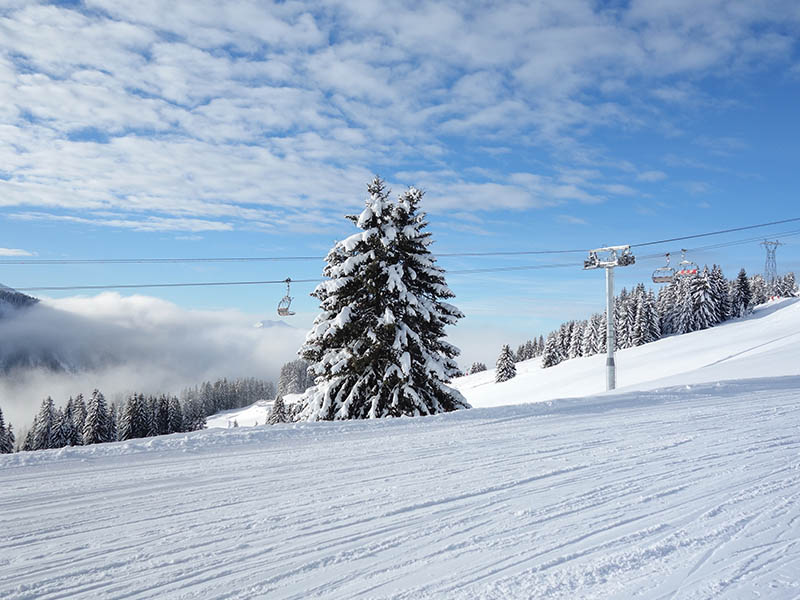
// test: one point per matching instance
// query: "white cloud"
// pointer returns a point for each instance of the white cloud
(201, 115)
(651, 176)
(14, 252)
(571, 220)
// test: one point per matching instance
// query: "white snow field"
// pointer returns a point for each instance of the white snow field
(250, 416)
(683, 492)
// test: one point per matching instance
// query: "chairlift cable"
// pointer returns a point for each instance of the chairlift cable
(73, 261)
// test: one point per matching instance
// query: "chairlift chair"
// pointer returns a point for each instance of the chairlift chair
(286, 301)
(665, 274)
(592, 261)
(686, 267)
(627, 258)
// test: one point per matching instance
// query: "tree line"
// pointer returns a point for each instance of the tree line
(83, 422)
(688, 303)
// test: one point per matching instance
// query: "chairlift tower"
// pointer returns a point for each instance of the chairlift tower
(771, 267)
(608, 258)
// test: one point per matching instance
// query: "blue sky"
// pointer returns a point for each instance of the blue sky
(192, 129)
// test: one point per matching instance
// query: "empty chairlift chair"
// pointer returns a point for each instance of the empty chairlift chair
(686, 268)
(286, 301)
(665, 274)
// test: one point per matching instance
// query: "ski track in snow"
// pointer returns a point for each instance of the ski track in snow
(673, 494)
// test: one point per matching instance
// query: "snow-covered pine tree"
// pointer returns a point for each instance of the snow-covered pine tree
(27, 443)
(377, 349)
(588, 343)
(519, 355)
(552, 353)
(530, 350)
(721, 293)
(684, 313)
(45, 423)
(175, 419)
(6, 436)
(623, 320)
(151, 414)
(741, 295)
(96, 427)
(477, 367)
(653, 318)
(294, 378)
(62, 430)
(576, 339)
(505, 368)
(162, 415)
(758, 290)
(134, 420)
(703, 302)
(78, 418)
(278, 412)
(113, 420)
(194, 417)
(667, 302)
(790, 285)
(639, 331)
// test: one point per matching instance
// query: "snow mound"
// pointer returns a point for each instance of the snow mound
(249, 416)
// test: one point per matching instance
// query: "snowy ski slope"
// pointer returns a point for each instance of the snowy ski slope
(764, 344)
(689, 491)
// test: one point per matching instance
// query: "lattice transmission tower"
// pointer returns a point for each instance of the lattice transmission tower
(770, 267)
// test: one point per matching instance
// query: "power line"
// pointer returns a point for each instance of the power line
(158, 285)
(720, 232)
(448, 272)
(72, 261)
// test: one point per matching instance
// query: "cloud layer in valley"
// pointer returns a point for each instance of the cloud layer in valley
(136, 343)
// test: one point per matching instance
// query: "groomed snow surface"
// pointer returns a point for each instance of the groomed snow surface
(687, 490)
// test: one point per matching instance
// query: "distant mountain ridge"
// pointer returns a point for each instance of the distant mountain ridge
(11, 298)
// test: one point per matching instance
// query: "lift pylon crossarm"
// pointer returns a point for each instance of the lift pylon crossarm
(613, 256)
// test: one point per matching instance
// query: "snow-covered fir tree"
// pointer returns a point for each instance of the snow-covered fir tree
(720, 288)
(78, 418)
(62, 429)
(477, 367)
(758, 290)
(162, 415)
(97, 426)
(6, 436)
(741, 295)
(653, 318)
(175, 418)
(505, 368)
(552, 351)
(134, 421)
(576, 346)
(45, 422)
(294, 378)
(703, 303)
(278, 412)
(27, 443)
(519, 355)
(530, 350)
(377, 349)
(590, 337)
